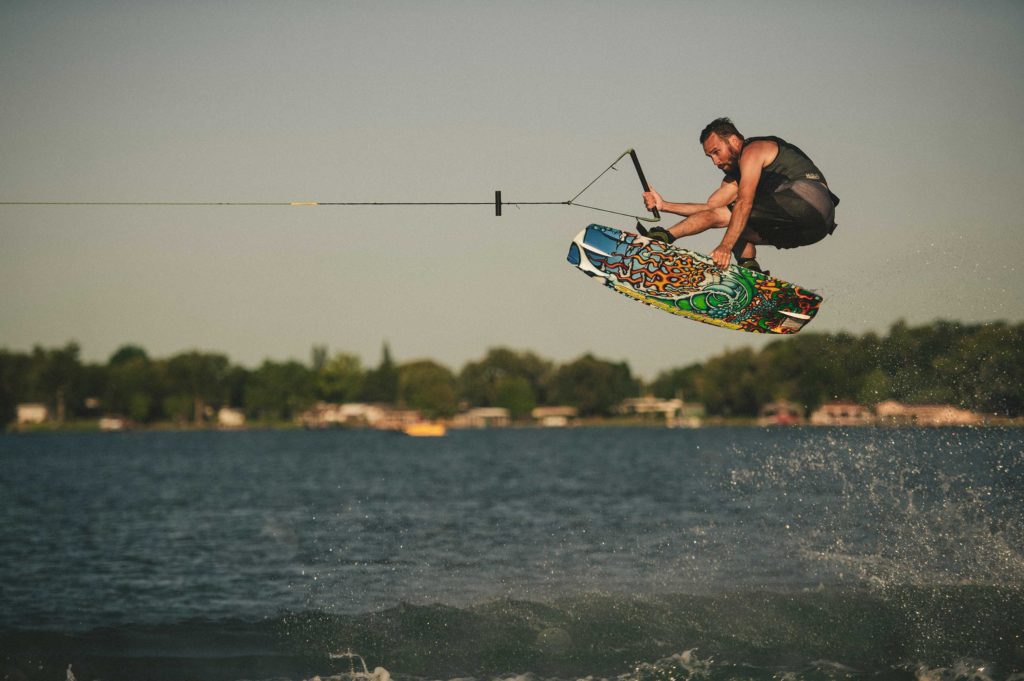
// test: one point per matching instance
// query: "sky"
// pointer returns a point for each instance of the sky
(911, 109)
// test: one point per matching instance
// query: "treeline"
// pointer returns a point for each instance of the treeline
(189, 387)
(976, 367)
(979, 367)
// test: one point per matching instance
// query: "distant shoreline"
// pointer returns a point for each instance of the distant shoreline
(93, 427)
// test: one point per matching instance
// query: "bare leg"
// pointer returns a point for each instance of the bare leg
(701, 222)
(717, 218)
(744, 250)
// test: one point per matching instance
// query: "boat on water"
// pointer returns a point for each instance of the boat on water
(357, 669)
(425, 429)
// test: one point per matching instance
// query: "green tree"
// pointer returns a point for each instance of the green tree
(732, 384)
(815, 368)
(14, 378)
(340, 379)
(381, 384)
(986, 369)
(235, 382)
(679, 383)
(133, 385)
(909, 355)
(875, 387)
(482, 383)
(201, 378)
(593, 385)
(127, 353)
(318, 358)
(427, 386)
(55, 379)
(516, 394)
(279, 391)
(177, 407)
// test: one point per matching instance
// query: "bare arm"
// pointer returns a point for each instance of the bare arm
(754, 158)
(723, 196)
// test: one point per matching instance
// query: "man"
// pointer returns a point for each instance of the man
(772, 193)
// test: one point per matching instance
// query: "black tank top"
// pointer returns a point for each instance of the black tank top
(790, 164)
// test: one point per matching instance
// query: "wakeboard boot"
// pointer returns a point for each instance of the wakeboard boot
(752, 264)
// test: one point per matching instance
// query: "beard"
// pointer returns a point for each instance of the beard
(732, 161)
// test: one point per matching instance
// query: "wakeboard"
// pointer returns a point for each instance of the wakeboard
(690, 284)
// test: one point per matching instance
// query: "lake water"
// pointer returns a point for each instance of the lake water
(632, 554)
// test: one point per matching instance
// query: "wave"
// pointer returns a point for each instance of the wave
(910, 632)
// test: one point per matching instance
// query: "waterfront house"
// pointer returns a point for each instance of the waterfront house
(896, 413)
(483, 417)
(554, 417)
(113, 423)
(648, 405)
(347, 415)
(780, 413)
(691, 415)
(842, 414)
(228, 417)
(32, 413)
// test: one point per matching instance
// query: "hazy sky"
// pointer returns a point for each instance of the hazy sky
(913, 110)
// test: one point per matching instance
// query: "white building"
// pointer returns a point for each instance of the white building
(781, 413)
(483, 417)
(228, 417)
(842, 414)
(348, 415)
(649, 405)
(892, 412)
(112, 423)
(32, 413)
(554, 417)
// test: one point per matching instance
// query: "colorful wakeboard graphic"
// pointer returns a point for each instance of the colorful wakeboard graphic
(690, 284)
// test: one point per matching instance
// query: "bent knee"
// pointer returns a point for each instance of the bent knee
(719, 217)
(750, 236)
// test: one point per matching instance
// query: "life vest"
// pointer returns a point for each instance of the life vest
(790, 164)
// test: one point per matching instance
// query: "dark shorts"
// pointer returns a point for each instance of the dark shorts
(793, 214)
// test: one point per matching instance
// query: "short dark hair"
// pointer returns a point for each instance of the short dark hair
(723, 127)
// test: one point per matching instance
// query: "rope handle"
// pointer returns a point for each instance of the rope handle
(643, 180)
